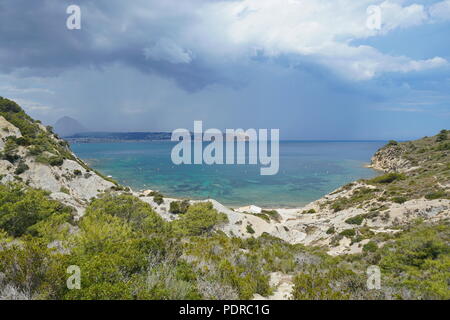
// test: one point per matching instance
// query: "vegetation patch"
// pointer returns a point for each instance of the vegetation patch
(355, 220)
(440, 194)
(399, 200)
(157, 197)
(179, 207)
(348, 233)
(250, 229)
(387, 178)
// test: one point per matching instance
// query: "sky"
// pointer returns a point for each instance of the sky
(315, 69)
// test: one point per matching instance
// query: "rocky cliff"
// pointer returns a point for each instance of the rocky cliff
(390, 159)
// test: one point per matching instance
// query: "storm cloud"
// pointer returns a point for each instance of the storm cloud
(311, 68)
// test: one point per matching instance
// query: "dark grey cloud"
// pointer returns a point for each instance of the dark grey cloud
(146, 65)
(36, 41)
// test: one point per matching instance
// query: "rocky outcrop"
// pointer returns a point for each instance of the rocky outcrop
(71, 183)
(389, 159)
(325, 227)
(7, 130)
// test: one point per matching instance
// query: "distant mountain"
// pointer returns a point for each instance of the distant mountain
(67, 126)
(86, 137)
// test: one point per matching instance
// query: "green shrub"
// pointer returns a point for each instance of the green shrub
(370, 246)
(387, 178)
(9, 106)
(443, 146)
(157, 197)
(9, 151)
(355, 220)
(56, 161)
(108, 250)
(321, 285)
(138, 214)
(441, 194)
(338, 205)
(392, 143)
(20, 208)
(23, 141)
(35, 151)
(21, 168)
(179, 207)
(33, 270)
(64, 190)
(272, 214)
(442, 136)
(418, 262)
(399, 200)
(250, 229)
(348, 233)
(199, 219)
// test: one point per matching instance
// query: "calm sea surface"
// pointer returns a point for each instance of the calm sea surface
(308, 170)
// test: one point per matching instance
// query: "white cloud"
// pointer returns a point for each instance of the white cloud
(440, 10)
(395, 16)
(365, 62)
(318, 29)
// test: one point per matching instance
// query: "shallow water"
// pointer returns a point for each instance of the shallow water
(308, 170)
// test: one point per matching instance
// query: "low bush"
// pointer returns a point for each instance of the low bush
(418, 262)
(179, 207)
(200, 219)
(348, 233)
(157, 197)
(355, 220)
(399, 200)
(250, 229)
(387, 178)
(441, 194)
(442, 136)
(56, 161)
(392, 143)
(21, 168)
(370, 246)
(132, 210)
(20, 209)
(443, 146)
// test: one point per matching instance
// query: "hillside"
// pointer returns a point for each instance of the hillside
(55, 212)
(32, 154)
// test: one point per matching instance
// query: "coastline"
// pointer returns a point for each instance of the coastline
(308, 172)
(282, 208)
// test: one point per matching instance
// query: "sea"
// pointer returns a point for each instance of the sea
(308, 170)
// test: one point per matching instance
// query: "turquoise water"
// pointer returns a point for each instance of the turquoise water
(308, 170)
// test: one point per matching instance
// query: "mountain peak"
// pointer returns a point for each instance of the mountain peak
(67, 126)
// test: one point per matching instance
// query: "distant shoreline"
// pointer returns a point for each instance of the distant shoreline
(106, 140)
